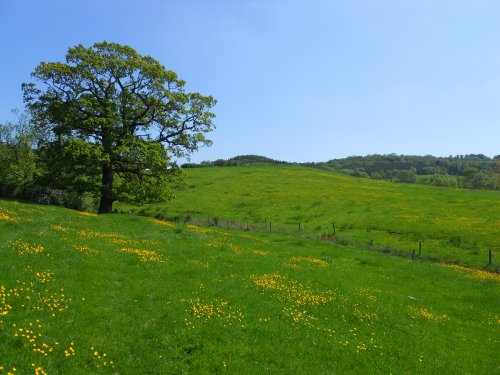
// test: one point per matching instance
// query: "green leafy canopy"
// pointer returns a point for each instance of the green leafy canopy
(116, 118)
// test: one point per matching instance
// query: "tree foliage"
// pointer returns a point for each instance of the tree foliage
(475, 171)
(114, 121)
(19, 167)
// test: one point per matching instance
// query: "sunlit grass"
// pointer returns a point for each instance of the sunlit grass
(450, 225)
(130, 295)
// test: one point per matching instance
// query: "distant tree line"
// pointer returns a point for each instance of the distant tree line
(474, 171)
(236, 161)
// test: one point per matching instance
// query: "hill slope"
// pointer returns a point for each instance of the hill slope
(470, 171)
(123, 294)
(453, 225)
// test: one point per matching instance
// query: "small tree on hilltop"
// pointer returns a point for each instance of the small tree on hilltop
(115, 118)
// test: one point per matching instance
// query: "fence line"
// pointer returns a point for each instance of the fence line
(266, 225)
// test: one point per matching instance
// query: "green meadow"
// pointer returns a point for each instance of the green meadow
(455, 226)
(124, 294)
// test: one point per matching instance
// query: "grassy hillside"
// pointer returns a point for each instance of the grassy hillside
(453, 225)
(121, 294)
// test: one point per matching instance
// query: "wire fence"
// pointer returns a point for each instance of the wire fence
(331, 233)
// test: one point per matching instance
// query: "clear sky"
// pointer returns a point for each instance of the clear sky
(307, 80)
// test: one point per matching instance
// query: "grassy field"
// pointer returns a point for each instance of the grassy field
(123, 294)
(458, 226)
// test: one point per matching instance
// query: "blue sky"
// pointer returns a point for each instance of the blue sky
(308, 80)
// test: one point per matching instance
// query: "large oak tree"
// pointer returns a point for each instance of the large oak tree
(114, 120)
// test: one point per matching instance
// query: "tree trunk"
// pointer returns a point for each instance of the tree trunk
(106, 202)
